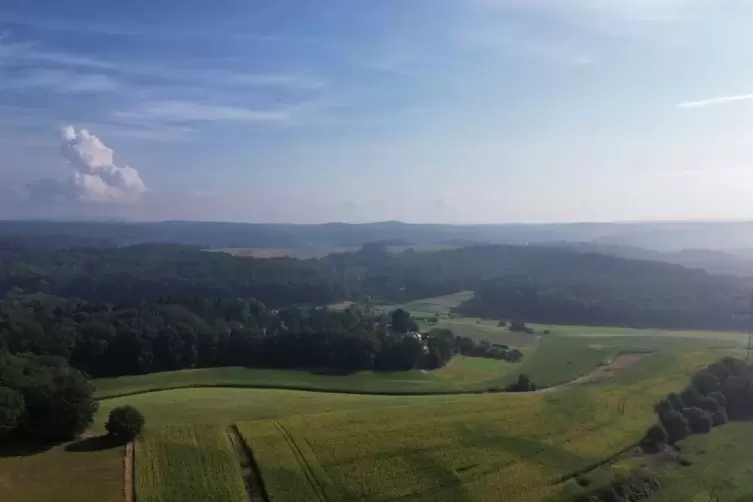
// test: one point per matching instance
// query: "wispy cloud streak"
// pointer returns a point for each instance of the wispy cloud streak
(719, 100)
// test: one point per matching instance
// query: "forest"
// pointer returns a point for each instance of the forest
(530, 283)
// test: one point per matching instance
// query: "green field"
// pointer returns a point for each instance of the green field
(410, 436)
(188, 464)
(463, 448)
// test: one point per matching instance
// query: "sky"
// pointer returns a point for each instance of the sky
(305, 111)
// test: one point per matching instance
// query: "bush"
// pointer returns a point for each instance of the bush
(705, 382)
(675, 401)
(719, 417)
(698, 419)
(709, 405)
(654, 440)
(524, 384)
(676, 426)
(656, 434)
(518, 326)
(125, 423)
(690, 397)
(719, 398)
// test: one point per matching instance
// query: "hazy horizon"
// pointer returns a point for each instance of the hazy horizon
(426, 111)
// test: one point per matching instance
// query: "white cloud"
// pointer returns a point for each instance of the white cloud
(719, 100)
(186, 111)
(294, 81)
(63, 81)
(96, 178)
(626, 10)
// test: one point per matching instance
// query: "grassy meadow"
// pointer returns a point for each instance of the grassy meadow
(410, 436)
(462, 448)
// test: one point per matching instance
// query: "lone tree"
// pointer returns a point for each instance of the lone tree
(125, 423)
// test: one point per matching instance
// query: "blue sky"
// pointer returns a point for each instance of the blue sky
(417, 110)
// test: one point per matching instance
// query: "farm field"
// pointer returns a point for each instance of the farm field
(188, 464)
(462, 448)
(718, 468)
(374, 447)
(64, 473)
(410, 436)
(555, 360)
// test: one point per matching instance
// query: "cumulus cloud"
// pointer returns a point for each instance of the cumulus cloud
(95, 176)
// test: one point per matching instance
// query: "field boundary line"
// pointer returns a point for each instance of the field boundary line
(318, 489)
(128, 468)
(249, 468)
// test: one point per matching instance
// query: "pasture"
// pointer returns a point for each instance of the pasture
(460, 448)
(411, 436)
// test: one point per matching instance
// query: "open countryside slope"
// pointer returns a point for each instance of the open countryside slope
(463, 448)
(550, 360)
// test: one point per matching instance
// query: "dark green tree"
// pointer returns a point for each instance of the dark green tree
(698, 420)
(125, 423)
(676, 426)
(705, 382)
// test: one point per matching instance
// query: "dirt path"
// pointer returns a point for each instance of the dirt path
(128, 488)
(251, 477)
(621, 364)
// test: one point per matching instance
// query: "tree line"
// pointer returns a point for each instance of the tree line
(720, 392)
(176, 333)
(533, 284)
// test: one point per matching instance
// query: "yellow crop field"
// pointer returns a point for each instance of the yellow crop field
(464, 448)
(188, 464)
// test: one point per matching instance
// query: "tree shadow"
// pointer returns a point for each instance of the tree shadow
(96, 443)
(23, 450)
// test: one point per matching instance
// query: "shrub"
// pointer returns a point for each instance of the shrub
(518, 326)
(524, 384)
(675, 401)
(719, 398)
(705, 382)
(690, 397)
(709, 405)
(719, 417)
(698, 419)
(654, 440)
(720, 371)
(676, 426)
(125, 423)
(656, 434)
